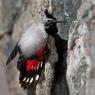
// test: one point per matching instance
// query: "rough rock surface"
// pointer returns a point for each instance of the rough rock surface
(81, 47)
(77, 62)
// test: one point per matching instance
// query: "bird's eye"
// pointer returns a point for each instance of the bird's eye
(50, 20)
(48, 23)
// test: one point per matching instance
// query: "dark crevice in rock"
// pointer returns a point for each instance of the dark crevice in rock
(60, 86)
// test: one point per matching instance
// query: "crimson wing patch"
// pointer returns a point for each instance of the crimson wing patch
(30, 73)
(30, 69)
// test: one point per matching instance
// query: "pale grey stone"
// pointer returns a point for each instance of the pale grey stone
(81, 47)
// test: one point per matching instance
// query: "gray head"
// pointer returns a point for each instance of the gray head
(51, 22)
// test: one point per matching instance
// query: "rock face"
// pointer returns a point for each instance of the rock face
(81, 47)
(78, 64)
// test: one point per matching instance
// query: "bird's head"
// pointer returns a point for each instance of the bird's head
(50, 23)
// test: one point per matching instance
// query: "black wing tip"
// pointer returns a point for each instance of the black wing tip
(28, 81)
(7, 63)
(26, 85)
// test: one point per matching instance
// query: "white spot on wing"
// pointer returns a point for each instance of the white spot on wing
(38, 66)
(24, 79)
(41, 64)
(27, 80)
(31, 80)
(37, 77)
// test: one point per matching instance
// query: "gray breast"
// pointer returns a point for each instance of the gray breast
(34, 38)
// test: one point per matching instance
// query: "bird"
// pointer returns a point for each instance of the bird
(33, 51)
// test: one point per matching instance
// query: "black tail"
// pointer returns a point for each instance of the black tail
(13, 54)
